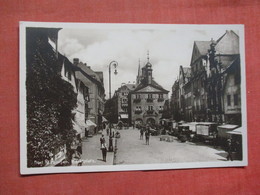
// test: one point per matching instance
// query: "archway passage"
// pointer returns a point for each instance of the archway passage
(138, 121)
(150, 121)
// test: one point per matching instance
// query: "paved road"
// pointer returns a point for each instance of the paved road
(132, 150)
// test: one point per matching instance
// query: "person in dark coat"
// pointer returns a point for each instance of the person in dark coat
(229, 149)
(104, 151)
(86, 132)
(102, 140)
(141, 133)
(147, 136)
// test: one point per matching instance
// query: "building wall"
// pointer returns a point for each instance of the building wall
(68, 75)
(80, 110)
(123, 104)
(232, 99)
(139, 108)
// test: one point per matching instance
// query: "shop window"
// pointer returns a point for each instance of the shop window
(236, 99)
(229, 100)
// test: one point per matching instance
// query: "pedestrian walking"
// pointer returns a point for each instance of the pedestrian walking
(229, 150)
(104, 151)
(141, 133)
(107, 129)
(215, 139)
(86, 132)
(102, 140)
(147, 136)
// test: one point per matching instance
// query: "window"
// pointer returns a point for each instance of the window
(229, 100)
(160, 95)
(236, 99)
(150, 96)
(138, 108)
(150, 107)
(137, 96)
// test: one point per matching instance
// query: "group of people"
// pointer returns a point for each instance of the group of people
(145, 131)
(103, 145)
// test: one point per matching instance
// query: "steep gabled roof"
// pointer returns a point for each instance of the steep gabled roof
(200, 48)
(131, 87)
(89, 71)
(187, 72)
(153, 84)
(84, 73)
(228, 43)
(203, 46)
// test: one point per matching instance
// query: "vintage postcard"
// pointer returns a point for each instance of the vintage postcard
(118, 97)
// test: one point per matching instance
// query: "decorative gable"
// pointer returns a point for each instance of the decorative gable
(148, 89)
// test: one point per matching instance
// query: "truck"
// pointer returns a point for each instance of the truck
(193, 128)
(223, 132)
(184, 132)
(206, 131)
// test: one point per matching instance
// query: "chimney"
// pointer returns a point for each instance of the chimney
(75, 61)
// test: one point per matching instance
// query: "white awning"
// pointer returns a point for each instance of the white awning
(237, 131)
(76, 127)
(89, 123)
(123, 116)
(228, 127)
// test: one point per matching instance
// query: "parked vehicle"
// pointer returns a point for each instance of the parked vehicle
(223, 132)
(206, 131)
(236, 137)
(184, 133)
(193, 129)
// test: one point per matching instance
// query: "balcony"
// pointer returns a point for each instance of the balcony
(150, 111)
(124, 105)
(160, 99)
(160, 111)
(137, 100)
(149, 100)
(138, 111)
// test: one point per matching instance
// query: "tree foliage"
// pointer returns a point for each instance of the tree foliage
(50, 100)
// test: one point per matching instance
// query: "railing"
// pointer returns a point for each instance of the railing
(160, 99)
(137, 100)
(124, 105)
(138, 111)
(150, 111)
(149, 100)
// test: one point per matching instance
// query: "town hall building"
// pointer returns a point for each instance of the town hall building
(147, 99)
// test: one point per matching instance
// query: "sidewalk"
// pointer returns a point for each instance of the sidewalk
(91, 153)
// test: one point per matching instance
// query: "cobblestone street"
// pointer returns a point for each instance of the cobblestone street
(132, 150)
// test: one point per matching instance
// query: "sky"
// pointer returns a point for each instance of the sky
(168, 49)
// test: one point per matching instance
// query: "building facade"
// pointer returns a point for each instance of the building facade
(121, 96)
(147, 99)
(95, 92)
(211, 92)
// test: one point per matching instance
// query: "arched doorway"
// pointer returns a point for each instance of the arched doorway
(150, 121)
(138, 122)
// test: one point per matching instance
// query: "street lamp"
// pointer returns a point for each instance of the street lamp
(115, 64)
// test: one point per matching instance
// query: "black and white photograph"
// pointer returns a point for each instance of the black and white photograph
(118, 97)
